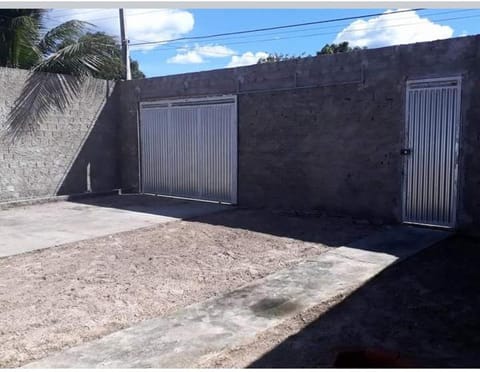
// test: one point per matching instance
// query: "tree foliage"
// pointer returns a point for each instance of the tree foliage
(279, 57)
(112, 69)
(19, 32)
(69, 48)
(333, 48)
(338, 48)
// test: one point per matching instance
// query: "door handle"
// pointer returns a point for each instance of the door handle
(406, 152)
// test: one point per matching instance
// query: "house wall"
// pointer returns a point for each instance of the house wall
(324, 133)
(318, 134)
(58, 140)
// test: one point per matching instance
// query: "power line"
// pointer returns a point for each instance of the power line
(324, 33)
(274, 28)
(143, 42)
(317, 28)
(217, 37)
(66, 14)
(138, 41)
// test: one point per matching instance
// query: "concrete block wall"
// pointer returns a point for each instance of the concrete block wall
(317, 134)
(324, 133)
(51, 153)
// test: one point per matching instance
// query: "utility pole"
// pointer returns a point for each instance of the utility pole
(125, 51)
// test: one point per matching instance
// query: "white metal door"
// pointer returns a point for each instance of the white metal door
(189, 148)
(430, 168)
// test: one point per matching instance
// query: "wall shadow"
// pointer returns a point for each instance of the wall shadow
(421, 312)
(96, 167)
(168, 207)
(331, 231)
(400, 241)
(51, 114)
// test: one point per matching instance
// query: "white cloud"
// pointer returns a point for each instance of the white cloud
(186, 58)
(247, 58)
(393, 29)
(198, 52)
(141, 24)
(216, 51)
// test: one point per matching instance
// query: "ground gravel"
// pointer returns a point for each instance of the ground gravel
(66, 295)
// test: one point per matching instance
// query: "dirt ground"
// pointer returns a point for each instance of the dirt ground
(424, 310)
(63, 296)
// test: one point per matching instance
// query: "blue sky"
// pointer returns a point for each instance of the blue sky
(230, 51)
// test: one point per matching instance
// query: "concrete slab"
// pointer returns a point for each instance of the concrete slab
(199, 331)
(45, 225)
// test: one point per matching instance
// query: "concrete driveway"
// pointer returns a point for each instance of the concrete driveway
(41, 226)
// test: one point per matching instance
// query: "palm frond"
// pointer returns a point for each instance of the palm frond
(18, 34)
(25, 36)
(41, 94)
(66, 33)
(79, 58)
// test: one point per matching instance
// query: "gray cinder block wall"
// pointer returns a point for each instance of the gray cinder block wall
(58, 145)
(317, 134)
(325, 133)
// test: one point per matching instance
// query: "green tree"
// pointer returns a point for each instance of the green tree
(69, 48)
(135, 70)
(279, 57)
(333, 48)
(112, 69)
(342, 47)
(19, 32)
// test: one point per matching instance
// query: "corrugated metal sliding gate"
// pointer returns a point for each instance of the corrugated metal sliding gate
(189, 148)
(430, 168)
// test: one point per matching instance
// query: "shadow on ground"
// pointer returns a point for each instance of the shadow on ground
(331, 231)
(153, 205)
(327, 230)
(423, 310)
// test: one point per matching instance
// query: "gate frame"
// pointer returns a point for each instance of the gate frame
(458, 78)
(167, 102)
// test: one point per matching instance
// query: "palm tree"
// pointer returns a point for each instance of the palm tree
(19, 30)
(26, 43)
(64, 49)
(113, 69)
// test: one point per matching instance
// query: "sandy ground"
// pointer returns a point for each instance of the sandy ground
(63, 296)
(425, 310)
